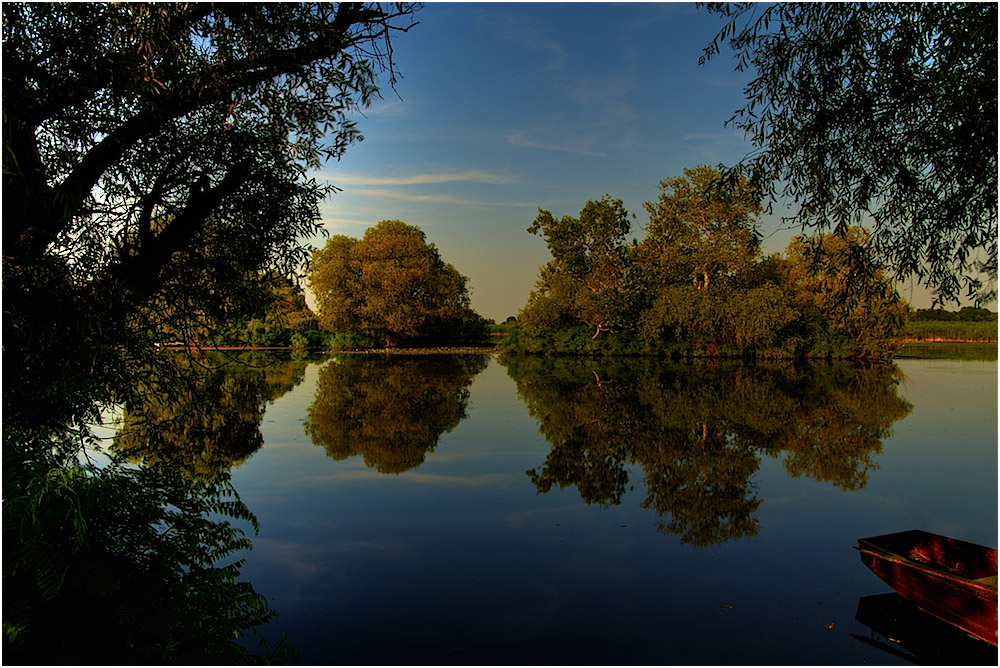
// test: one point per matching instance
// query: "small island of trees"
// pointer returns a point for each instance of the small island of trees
(698, 285)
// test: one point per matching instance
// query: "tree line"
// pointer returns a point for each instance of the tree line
(699, 285)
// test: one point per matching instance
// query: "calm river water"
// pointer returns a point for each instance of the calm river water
(456, 509)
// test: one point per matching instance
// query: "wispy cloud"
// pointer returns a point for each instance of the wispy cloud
(596, 116)
(472, 175)
(413, 197)
(711, 147)
(715, 138)
(386, 193)
(529, 138)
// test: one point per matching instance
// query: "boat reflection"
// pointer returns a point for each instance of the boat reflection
(899, 628)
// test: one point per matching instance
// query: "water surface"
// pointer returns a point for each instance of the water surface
(454, 510)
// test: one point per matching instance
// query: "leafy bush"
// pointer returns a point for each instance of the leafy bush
(118, 564)
(345, 341)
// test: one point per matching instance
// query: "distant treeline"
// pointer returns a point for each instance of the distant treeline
(965, 314)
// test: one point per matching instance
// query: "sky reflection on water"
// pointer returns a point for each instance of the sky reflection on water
(460, 559)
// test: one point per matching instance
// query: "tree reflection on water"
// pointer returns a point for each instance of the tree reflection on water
(210, 422)
(390, 409)
(698, 431)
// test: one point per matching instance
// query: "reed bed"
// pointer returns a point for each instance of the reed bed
(951, 331)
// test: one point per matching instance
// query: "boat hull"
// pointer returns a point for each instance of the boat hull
(940, 576)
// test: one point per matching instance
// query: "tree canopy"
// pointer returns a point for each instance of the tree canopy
(156, 154)
(699, 231)
(882, 115)
(393, 285)
(698, 285)
(590, 264)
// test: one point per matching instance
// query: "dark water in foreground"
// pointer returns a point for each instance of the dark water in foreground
(451, 510)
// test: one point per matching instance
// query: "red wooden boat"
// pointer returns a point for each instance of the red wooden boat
(951, 579)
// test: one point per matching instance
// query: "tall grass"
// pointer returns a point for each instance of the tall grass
(952, 351)
(944, 330)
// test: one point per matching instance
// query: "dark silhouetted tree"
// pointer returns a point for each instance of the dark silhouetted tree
(882, 115)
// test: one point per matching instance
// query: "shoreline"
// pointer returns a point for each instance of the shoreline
(438, 350)
(485, 349)
(938, 339)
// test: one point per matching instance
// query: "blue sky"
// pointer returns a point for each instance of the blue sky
(503, 109)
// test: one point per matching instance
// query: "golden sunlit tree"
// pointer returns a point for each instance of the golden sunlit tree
(698, 285)
(848, 305)
(585, 281)
(392, 285)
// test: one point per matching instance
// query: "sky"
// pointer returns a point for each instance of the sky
(504, 109)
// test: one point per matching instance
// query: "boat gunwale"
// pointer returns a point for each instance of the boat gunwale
(931, 569)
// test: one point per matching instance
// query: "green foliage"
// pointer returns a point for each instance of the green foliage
(394, 286)
(882, 114)
(697, 432)
(280, 317)
(697, 285)
(583, 284)
(701, 229)
(338, 341)
(853, 309)
(114, 564)
(714, 321)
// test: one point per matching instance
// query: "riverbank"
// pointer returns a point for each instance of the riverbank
(441, 350)
(911, 348)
